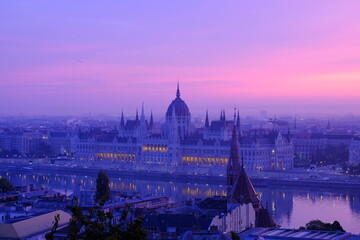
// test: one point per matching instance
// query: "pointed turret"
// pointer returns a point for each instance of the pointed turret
(207, 119)
(224, 118)
(233, 166)
(122, 121)
(238, 120)
(221, 115)
(151, 124)
(178, 91)
(137, 116)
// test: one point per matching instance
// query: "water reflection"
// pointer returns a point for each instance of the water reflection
(291, 207)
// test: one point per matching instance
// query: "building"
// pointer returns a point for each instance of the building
(289, 234)
(180, 147)
(32, 227)
(354, 151)
(306, 145)
(60, 142)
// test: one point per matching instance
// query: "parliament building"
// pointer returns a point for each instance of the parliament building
(179, 147)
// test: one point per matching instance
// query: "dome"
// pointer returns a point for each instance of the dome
(181, 109)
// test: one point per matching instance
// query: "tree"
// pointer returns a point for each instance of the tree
(5, 185)
(97, 224)
(102, 187)
(234, 236)
(319, 225)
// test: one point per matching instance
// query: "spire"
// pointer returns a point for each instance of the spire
(137, 116)
(178, 90)
(122, 122)
(233, 166)
(151, 120)
(207, 120)
(238, 120)
(221, 115)
(224, 118)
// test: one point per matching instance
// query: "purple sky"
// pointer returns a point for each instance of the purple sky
(72, 57)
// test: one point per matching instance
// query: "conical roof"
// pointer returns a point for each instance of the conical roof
(244, 192)
(234, 160)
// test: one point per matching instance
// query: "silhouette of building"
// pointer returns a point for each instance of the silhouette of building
(181, 147)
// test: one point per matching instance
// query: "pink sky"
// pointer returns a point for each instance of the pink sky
(71, 57)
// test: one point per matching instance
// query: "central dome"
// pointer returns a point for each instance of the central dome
(181, 109)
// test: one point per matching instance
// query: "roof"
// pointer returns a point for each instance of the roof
(276, 233)
(131, 124)
(216, 203)
(181, 109)
(32, 226)
(180, 221)
(58, 134)
(243, 191)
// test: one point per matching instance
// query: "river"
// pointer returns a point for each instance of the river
(291, 207)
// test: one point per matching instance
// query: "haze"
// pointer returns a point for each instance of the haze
(72, 57)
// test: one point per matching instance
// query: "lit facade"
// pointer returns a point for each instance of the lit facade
(178, 147)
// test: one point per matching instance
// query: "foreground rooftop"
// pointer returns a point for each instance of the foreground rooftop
(273, 233)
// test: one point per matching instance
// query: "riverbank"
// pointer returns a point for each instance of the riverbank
(258, 181)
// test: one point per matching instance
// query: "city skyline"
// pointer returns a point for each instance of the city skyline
(75, 58)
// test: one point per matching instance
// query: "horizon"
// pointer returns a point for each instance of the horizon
(61, 58)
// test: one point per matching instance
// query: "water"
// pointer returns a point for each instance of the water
(291, 207)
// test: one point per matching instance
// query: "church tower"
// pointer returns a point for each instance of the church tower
(233, 166)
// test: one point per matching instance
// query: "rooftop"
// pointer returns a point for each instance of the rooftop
(275, 233)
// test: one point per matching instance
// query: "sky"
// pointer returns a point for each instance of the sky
(76, 57)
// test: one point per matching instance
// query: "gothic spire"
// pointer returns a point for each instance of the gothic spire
(238, 120)
(233, 166)
(151, 120)
(207, 120)
(137, 116)
(178, 90)
(122, 121)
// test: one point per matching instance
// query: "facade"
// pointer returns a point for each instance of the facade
(22, 142)
(307, 144)
(60, 142)
(354, 151)
(239, 218)
(180, 147)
